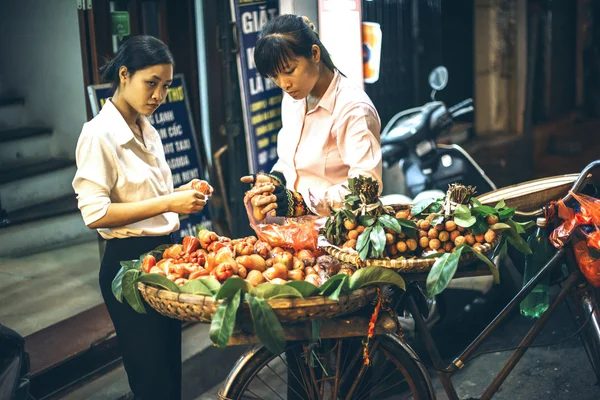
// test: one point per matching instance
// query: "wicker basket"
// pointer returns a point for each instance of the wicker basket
(409, 265)
(196, 308)
(531, 195)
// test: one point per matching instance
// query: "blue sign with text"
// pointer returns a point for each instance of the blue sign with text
(174, 124)
(261, 98)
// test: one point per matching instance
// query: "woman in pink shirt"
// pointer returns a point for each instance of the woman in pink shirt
(330, 133)
(330, 129)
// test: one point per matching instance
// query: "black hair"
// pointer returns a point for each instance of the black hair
(284, 38)
(137, 52)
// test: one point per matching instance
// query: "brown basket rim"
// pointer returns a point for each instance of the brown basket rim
(276, 304)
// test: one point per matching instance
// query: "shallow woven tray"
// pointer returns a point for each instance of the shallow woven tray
(410, 265)
(531, 195)
(196, 308)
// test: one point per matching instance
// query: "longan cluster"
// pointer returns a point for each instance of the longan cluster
(444, 237)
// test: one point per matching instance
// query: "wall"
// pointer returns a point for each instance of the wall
(309, 8)
(41, 61)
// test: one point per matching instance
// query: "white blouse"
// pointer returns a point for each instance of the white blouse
(113, 166)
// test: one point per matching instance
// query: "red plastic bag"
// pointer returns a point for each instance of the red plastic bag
(297, 233)
(589, 214)
(589, 266)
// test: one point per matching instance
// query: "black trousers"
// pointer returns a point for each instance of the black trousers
(150, 344)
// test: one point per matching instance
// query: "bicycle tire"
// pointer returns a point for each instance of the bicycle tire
(248, 368)
(586, 303)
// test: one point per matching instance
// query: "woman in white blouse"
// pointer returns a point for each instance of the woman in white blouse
(125, 190)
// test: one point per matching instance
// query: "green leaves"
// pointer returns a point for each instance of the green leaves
(334, 226)
(390, 222)
(445, 268)
(334, 285)
(223, 321)
(517, 241)
(482, 257)
(306, 289)
(195, 286)
(351, 199)
(157, 252)
(342, 286)
(501, 204)
(377, 237)
(130, 291)
(211, 283)
(272, 291)
(442, 272)
(117, 287)
(231, 286)
(480, 227)
(160, 281)
(483, 211)
(372, 241)
(363, 243)
(373, 276)
(421, 206)
(267, 325)
(349, 215)
(366, 220)
(500, 226)
(463, 217)
(506, 213)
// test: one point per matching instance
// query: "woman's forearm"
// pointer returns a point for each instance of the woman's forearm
(120, 214)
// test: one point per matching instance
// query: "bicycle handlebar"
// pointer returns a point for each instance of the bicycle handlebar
(585, 174)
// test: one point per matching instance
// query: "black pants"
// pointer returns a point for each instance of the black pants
(149, 343)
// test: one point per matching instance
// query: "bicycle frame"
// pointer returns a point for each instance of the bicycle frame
(445, 373)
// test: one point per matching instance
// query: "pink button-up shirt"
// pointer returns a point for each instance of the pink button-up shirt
(337, 140)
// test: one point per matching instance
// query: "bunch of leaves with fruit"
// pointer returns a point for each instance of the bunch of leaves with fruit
(440, 228)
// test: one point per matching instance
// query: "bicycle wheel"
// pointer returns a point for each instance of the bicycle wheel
(587, 308)
(338, 373)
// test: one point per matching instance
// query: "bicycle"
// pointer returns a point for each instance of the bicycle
(331, 373)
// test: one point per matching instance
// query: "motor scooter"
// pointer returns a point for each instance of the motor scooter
(414, 163)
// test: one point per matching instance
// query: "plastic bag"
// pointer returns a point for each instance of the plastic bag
(589, 266)
(582, 219)
(298, 233)
(586, 212)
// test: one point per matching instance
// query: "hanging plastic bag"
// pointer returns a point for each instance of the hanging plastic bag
(581, 218)
(589, 266)
(297, 233)
(586, 212)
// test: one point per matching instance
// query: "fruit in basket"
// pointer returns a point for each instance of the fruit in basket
(224, 271)
(255, 278)
(248, 258)
(190, 244)
(173, 251)
(202, 186)
(252, 262)
(314, 279)
(148, 263)
(296, 275)
(206, 238)
(307, 257)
